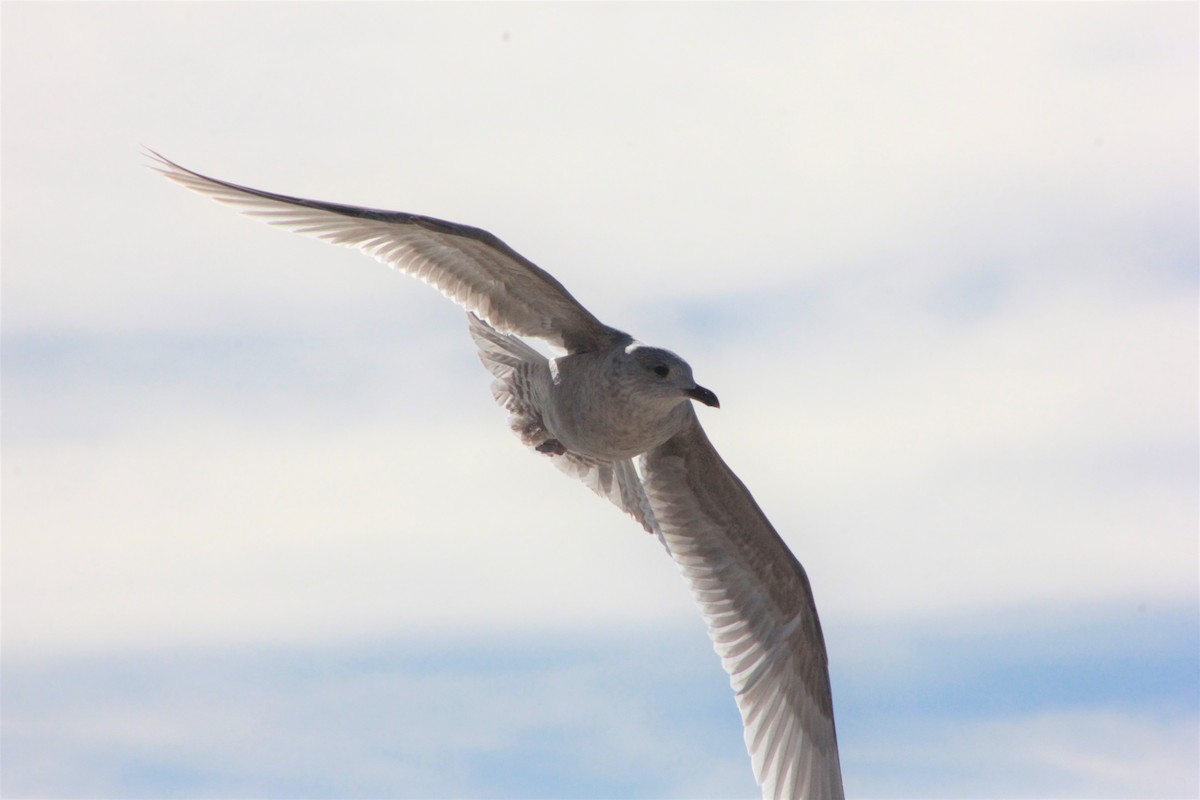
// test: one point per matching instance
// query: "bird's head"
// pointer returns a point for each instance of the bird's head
(662, 374)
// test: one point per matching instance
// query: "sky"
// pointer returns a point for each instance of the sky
(265, 533)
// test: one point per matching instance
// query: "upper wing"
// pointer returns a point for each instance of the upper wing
(760, 612)
(468, 265)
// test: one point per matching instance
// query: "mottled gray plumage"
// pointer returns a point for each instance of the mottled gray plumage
(616, 414)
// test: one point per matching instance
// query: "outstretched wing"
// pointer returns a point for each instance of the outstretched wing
(760, 612)
(468, 265)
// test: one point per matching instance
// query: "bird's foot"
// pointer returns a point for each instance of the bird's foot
(551, 447)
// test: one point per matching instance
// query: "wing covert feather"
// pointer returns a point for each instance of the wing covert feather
(469, 265)
(757, 602)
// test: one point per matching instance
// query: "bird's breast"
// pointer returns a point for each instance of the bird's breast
(592, 415)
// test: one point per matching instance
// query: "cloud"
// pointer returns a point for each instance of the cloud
(415, 717)
(229, 487)
(1088, 753)
(1010, 705)
(892, 137)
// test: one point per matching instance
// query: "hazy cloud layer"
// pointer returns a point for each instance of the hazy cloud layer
(1059, 707)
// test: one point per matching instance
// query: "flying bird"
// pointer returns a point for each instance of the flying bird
(619, 415)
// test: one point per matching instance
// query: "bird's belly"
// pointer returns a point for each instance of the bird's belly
(612, 432)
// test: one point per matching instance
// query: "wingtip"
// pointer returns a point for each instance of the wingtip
(154, 155)
(161, 164)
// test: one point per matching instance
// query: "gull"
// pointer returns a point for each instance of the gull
(618, 414)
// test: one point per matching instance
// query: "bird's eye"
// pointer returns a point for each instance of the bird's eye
(662, 371)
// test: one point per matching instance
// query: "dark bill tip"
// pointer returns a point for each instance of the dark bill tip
(704, 396)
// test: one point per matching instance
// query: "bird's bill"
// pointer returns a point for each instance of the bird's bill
(704, 396)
